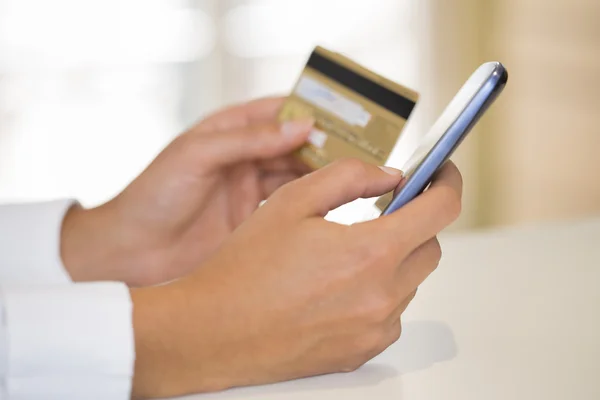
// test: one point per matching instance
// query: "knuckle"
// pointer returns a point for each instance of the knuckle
(431, 256)
(372, 257)
(452, 204)
(458, 175)
(280, 193)
(352, 168)
(352, 366)
(396, 333)
(435, 250)
(191, 142)
(270, 129)
(379, 308)
(375, 253)
(265, 136)
(285, 193)
(371, 342)
(374, 342)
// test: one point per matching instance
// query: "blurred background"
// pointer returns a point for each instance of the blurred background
(92, 90)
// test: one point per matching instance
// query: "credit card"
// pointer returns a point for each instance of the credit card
(357, 112)
(383, 201)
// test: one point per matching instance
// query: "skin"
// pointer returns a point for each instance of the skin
(290, 294)
(190, 198)
(263, 295)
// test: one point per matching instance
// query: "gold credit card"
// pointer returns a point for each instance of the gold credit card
(357, 113)
(384, 201)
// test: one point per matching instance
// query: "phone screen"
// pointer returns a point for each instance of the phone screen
(450, 114)
(461, 114)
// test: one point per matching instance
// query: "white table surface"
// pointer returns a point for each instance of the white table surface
(511, 314)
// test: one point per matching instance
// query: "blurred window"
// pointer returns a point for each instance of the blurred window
(91, 90)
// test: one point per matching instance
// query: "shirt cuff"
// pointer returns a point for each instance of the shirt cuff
(30, 241)
(69, 341)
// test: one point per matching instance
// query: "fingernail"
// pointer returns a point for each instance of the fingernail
(391, 171)
(297, 127)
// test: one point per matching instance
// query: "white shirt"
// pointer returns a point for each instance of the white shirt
(58, 339)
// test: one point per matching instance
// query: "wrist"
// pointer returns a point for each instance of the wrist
(177, 343)
(162, 326)
(89, 248)
(155, 335)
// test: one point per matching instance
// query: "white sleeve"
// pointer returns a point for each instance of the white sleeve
(67, 342)
(30, 243)
(58, 340)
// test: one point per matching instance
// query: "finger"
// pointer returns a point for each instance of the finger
(337, 184)
(255, 142)
(287, 163)
(246, 187)
(240, 115)
(400, 186)
(390, 336)
(403, 306)
(395, 331)
(278, 164)
(422, 218)
(418, 266)
(271, 182)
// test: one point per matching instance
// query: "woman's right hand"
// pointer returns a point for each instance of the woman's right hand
(290, 294)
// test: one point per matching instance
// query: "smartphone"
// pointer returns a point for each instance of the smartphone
(457, 120)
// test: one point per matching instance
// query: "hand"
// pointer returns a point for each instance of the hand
(196, 192)
(290, 294)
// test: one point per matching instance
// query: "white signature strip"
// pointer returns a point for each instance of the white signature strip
(327, 99)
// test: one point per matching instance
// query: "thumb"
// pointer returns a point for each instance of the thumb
(254, 142)
(336, 184)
